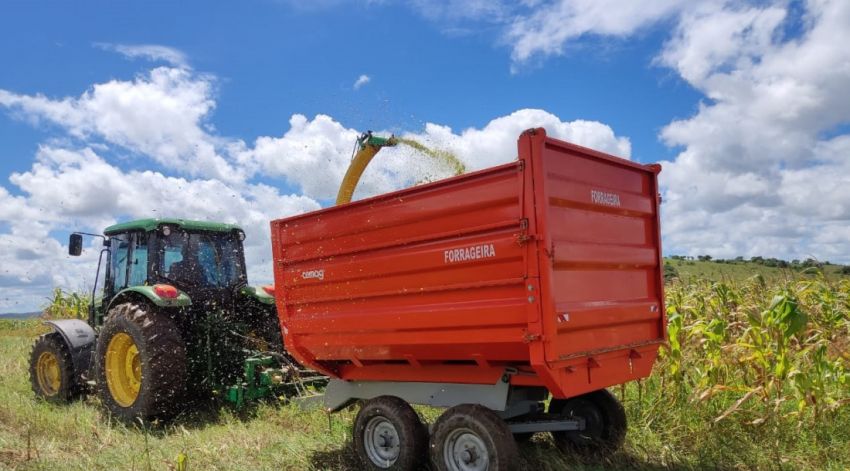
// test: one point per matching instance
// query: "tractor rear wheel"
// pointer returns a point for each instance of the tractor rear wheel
(52, 371)
(141, 364)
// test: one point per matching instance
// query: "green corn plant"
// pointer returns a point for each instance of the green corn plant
(783, 341)
(62, 305)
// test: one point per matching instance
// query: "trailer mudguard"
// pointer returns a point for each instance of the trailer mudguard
(80, 339)
(149, 293)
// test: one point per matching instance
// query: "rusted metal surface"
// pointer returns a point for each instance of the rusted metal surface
(533, 264)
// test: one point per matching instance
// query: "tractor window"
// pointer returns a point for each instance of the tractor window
(139, 267)
(218, 259)
(171, 255)
(173, 248)
(120, 248)
(209, 259)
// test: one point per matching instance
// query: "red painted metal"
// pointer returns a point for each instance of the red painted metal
(550, 264)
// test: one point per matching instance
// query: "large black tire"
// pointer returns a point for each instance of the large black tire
(163, 363)
(388, 434)
(52, 374)
(471, 436)
(605, 421)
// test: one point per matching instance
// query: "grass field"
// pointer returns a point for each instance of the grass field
(739, 271)
(748, 382)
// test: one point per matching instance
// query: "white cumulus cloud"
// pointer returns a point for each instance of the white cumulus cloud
(77, 189)
(361, 81)
(762, 167)
(314, 154)
(153, 52)
(161, 115)
(83, 178)
(756, 169)
(548, 28)
(495, 142)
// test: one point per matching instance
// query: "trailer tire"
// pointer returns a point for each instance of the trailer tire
(388, 435)
(471, 436)
(155, 355)
(52, 374)
(605, 422)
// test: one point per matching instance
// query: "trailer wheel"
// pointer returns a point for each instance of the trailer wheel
(52, 371)
(141, 364)
(388, 434)
(471, 437)
(605, 424)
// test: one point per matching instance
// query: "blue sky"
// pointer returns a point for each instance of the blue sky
(258, 94)
(272, 60)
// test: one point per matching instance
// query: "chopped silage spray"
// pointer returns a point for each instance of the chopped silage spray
(442, 156)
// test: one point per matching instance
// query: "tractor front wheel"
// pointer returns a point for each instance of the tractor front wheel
(52, 371)
(141, 364)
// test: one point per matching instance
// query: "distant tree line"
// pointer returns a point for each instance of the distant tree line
(766, 261)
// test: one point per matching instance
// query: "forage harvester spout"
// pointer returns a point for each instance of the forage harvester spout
(367, 146)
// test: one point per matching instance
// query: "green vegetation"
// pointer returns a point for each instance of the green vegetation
(756, 376)
(64, 305)
(772, 270)
(670, 272)
(758, 370)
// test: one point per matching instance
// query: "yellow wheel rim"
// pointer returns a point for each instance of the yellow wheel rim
(123, 369)
(48, 373)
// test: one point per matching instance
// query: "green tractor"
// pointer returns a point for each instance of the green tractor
(176, 323)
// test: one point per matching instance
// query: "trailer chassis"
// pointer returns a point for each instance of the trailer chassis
(481, 426)
(510, 403)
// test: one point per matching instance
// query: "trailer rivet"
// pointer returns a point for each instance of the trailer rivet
(531, 287)
(531, 299)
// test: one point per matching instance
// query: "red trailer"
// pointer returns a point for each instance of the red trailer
(484, 293)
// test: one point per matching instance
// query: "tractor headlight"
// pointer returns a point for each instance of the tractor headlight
(166, 231)
(240, 235)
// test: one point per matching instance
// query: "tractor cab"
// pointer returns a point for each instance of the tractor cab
(174, 257)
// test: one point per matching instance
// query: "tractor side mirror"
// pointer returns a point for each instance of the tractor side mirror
(75, 245)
